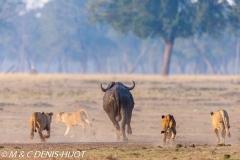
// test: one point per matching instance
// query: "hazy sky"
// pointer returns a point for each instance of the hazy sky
(34, 4)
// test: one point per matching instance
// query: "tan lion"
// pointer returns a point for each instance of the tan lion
(220, 122)
(80, 117)
(39, 122)
(168, 127)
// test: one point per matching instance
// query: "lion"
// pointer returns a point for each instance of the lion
(168, 127)
(79, 117)
(39, 122)
(220, 122)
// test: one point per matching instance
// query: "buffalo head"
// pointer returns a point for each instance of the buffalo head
(112, 84)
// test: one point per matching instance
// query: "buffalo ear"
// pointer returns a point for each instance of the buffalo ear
(163, 116)
(211, 113)
(43, 112)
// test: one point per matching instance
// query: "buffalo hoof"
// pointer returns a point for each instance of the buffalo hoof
(125, 139)
(129, 131)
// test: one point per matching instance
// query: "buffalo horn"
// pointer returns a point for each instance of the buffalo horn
(109, 86)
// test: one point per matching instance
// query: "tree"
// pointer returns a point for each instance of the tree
(8, 11)
(168, 19)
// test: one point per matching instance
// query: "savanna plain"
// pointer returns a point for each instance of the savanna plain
(190, 99)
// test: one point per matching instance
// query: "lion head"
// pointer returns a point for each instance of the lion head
(49, 116)
(59, 117)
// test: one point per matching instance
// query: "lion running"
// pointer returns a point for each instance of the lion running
(168, 127)
(39, 122)
(80, 117)
(220, 122)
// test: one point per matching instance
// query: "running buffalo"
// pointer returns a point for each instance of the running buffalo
(118, 103)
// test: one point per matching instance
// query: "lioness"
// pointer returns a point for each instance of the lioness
(79, 117)
(168, 127)
(39, 122)
(220, 122)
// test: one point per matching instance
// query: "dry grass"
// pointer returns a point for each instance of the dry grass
(189, 98)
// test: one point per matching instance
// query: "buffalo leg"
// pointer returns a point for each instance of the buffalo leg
(115, 123)
(129, 129)
(124, 122)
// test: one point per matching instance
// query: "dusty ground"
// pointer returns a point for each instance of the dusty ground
(189, 98)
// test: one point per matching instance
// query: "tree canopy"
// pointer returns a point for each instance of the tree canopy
(168, 19)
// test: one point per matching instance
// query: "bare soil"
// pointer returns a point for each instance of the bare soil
(189, 98)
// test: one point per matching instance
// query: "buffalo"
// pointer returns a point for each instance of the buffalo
(118, 103)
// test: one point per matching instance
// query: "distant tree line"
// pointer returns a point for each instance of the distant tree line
(125, 36)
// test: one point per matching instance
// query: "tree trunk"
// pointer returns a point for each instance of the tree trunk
(66, 64)
(167, 57)
(1, 62)
(84, 65)
(208, 63)
(109, 66)
(237, 57)
(80, 67)
(182, 65)
(205, 59)
(126, 64)
(144, 51)
(196, 67)
(59, 70)
(48, 62)
(10, 69)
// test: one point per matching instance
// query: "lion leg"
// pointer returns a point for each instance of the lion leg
(223, 133)
(41, 135)
(82, 124)
(32, 132)
(84, 128)
(164, 138)
(72, 128)
(48, 133)
(174, 132)
(88, 122)
(215, 132)
(67, 131)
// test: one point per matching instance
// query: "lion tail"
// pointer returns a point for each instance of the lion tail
(87, 117)
(32, 125)
(226, 122)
